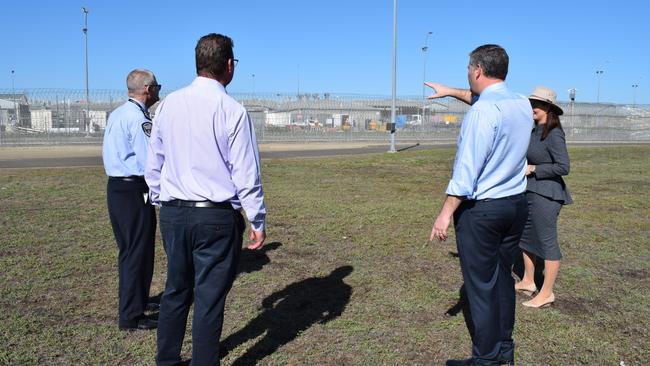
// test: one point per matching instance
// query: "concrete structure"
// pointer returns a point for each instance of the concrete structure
(14, 106)
(97, 120)
(42, 119)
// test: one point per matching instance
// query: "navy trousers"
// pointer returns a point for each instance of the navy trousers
(203, 246)
(487, 236)
(134, 227)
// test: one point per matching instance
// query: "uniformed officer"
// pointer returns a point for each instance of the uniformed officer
(132, 215)
(203, 166)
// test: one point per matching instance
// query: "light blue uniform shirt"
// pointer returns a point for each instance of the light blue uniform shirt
(125, 142)
(492, 145)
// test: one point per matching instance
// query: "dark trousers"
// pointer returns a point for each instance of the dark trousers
(203, 246)
(487, 236)
(134, 226)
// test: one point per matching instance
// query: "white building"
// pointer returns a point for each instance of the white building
(277, 118)
(42, 119)
(97, 120)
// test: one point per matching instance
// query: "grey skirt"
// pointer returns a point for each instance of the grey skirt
(540, 232)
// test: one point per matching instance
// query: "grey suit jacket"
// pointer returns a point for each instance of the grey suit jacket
(551, 161)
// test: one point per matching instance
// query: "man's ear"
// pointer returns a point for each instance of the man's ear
(478, 71)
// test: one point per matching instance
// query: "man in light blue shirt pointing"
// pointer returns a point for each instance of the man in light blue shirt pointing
(486, 198)
(133, 218)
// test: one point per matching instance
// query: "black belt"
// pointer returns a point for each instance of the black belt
(500, 198)
(208, 204)
(133, 178)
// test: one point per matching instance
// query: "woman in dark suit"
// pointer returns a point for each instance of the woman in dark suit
(548, 161)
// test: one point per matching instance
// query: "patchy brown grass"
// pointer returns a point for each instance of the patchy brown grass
(363, 218)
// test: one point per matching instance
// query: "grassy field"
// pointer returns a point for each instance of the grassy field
(347, 278)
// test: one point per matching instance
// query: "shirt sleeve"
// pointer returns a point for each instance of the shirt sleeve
(245, 168)
(474, 145)
(556, 145)
(155, 158)
(139, 140)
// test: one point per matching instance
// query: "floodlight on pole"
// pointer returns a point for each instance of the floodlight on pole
(392, 106)
(599, 73)
(634, 88)
(85, 31)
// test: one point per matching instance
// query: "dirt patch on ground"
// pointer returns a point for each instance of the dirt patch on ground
(71, 151)
(37, 152)
(634, 273)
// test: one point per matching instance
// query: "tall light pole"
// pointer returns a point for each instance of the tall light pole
(634, 88)
(392, 106)
(253, 85)
(13, 94)
(599, 73)
(425, 48)
(85, 30)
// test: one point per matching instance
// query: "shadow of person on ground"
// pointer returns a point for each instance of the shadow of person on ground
(289, 312)
(462, 305)
(156, 298)
(253, 260)
(518, 269)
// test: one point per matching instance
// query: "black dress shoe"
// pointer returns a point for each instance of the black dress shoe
(144, 323)
(467, 362)
(152, 306)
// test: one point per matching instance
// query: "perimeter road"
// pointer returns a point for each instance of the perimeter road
(90, 156)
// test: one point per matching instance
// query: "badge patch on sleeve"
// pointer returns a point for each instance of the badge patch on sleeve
(146, 128)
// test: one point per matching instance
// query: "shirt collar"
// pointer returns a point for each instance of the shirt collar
(494, 88)
(210, 83)
(139, 103)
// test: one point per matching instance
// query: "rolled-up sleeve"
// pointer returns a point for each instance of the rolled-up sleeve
(474, 145)
(246, 174)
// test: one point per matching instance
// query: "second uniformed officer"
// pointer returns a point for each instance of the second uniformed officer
(132, 216)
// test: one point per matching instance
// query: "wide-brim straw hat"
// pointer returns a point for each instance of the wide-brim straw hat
(547, 95)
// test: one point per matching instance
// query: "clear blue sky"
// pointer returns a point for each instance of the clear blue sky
(336, 46)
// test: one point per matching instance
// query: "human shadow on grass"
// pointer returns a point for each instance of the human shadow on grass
(254, 260)
(518, 269)
(462, 306)
(155, 298)
(289, 312)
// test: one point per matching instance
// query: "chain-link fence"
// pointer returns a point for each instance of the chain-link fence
(63, 116)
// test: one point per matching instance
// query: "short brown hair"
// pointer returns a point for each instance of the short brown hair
(493, 60)
(212, 54)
